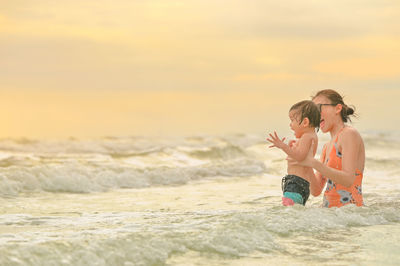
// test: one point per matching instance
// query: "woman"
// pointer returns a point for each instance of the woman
(342, 159)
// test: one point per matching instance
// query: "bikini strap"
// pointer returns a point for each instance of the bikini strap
(337, 136)
(324, 152)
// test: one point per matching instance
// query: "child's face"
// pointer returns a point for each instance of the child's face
(295, 123)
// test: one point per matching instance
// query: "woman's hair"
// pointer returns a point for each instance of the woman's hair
(307, 109)
(336, 99)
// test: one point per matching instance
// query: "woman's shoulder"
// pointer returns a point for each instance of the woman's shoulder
(351, 134)
(349, 130)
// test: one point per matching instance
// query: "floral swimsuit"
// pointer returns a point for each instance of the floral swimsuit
(337, 195)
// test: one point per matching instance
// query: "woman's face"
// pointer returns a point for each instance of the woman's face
(328, 112)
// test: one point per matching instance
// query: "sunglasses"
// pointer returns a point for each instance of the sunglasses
(321, 104)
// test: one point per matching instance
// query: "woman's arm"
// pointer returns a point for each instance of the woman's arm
(317, 182)
(350, 148)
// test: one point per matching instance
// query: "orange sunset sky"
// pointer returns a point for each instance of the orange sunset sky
(159, 67)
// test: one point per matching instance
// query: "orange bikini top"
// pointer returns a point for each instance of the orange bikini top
(337, 195)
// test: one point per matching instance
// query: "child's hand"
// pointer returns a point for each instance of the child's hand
(291, 143)
(276, 141)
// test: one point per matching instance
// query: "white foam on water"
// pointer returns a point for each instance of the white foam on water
(83, 166)
(80, 177)
(151, 238)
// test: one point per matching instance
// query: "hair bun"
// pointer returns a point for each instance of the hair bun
(335, 98)
(349, 110)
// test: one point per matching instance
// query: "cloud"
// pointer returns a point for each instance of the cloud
(306, 19)
(278, 76)
(196, 45)
(361, 68)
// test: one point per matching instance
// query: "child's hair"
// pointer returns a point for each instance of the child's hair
(308, 109)
(335, 98)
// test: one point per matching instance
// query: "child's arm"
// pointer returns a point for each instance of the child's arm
(297, 152)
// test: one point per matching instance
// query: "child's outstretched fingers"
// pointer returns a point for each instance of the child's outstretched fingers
(270, 140)
(275, 140)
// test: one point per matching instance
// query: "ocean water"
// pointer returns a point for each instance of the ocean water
(201, 200)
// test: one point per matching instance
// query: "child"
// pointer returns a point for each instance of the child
(305, 118)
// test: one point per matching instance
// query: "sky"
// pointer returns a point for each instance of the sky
(159, 67)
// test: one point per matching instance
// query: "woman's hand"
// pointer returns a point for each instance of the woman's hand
(276, 141)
